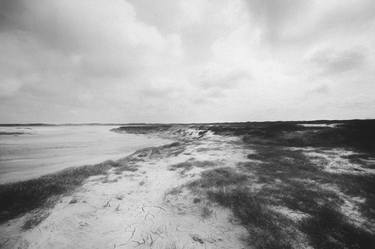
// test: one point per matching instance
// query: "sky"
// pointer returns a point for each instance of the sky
(72, 61)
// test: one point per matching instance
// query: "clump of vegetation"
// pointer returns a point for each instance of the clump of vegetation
(35, 219)
(196, 200)
(217, 178)
(189, 164)
(172, 149)
(124, 167)
(206, 212)
(267, 229)
(143, 128)
(329, 229)
(174, 191)
(183, 167)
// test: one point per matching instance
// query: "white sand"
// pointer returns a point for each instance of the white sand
(320, 125)
(137, 210)
(334, 161)
(150, 208)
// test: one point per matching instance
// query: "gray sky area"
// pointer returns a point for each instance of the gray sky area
(186, 60)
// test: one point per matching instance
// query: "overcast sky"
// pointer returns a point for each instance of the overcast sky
(186, 60)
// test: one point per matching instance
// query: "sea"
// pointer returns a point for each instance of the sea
(28, 152)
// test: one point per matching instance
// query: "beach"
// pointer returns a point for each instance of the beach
(210, 186)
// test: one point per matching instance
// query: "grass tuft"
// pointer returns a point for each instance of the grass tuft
(217, 178)
(35, 219)
(267, 229)
(206, 212)
(329, 229)
(189, 164)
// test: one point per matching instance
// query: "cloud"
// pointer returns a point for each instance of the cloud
(9, 87)
(318, 91)
(331, 61)
(223, 80)
(183, 61)
(272, 17)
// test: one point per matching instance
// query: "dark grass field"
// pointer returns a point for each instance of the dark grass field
(358, 135)
(289, 179)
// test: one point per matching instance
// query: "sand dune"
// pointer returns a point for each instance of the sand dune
(214, 187)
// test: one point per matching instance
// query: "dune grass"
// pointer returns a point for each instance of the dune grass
(225, 186)
(186, 166)
(300, 186)
(182, 167)
(292, 169)
(21, 197)
(217, 178)
(143, 129)
(353, 134)
(289, 180)
(267, 229)
(329, 229)
(206, 212)
(35, 219)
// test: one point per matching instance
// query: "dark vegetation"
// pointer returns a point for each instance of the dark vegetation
(22, 197)
(287, 178)
(284, 172)
(225, 186)
(267, 229)
(354, 134)
(12, 133)
(330, 229)
(184, 167)
(143, 129)
(206, 212)
(292, 180)
(217, 178)
(35, 219)
(323, 224)
(172, 149)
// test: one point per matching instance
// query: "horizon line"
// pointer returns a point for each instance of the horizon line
(183, 123)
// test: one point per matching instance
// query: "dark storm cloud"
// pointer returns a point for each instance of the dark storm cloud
(7, 10)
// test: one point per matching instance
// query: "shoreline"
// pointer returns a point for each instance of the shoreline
(65, 181)
(49, 150)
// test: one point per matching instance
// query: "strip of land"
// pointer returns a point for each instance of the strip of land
(235, 185)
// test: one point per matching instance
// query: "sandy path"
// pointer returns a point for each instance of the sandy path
(140, 209)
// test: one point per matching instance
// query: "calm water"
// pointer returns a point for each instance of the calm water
(44, 150)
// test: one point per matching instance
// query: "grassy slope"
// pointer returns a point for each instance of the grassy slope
(355, 134)
(21, 197)
(290, 180)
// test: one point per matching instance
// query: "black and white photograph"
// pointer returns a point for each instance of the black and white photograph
(187, 124)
